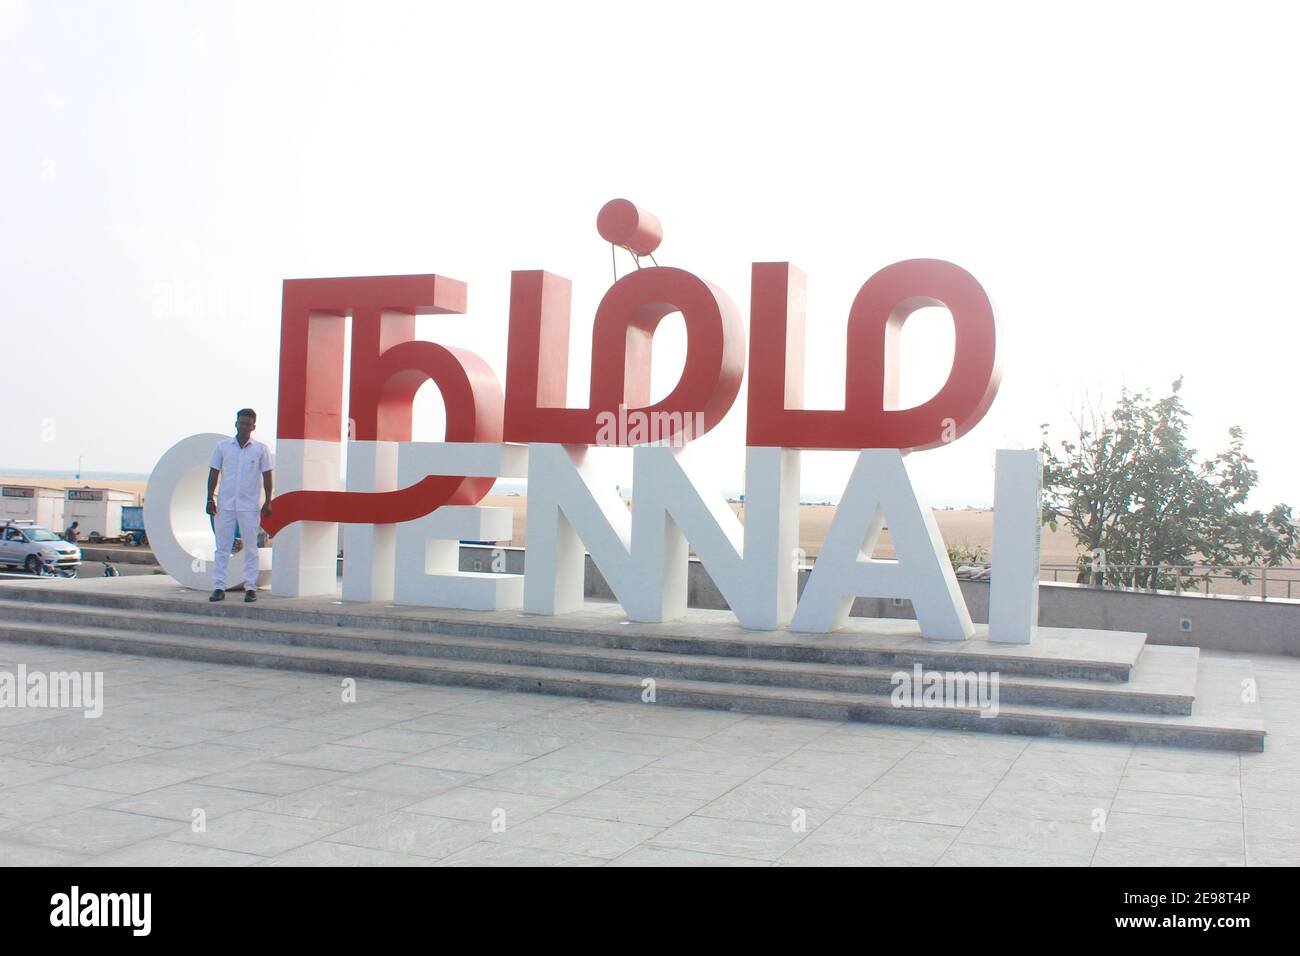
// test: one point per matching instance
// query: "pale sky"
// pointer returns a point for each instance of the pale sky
(1121, 178)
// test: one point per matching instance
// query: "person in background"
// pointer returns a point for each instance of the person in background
(241, 466)
(72, 534)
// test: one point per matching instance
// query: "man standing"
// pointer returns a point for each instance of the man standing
(241, 464)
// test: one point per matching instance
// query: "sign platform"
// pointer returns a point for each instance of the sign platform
(1108, 685)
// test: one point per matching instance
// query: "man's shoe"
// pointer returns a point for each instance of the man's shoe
(250, 596)
(217, 595)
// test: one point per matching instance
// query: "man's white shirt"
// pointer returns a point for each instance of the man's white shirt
(240, 488)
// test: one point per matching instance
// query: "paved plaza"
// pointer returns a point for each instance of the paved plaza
(216, 765)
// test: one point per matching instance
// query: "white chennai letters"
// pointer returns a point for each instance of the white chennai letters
(642, 553)
(753, 565)
(879, 491)
(428, 548)
(180, 530)
(1017, 527)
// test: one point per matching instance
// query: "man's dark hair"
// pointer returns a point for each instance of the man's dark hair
(246, 411)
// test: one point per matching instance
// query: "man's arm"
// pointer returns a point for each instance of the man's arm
(213, 475)
(266, 485)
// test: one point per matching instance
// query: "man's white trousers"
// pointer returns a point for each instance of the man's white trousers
(248, 529)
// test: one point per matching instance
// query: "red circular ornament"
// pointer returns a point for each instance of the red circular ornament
(626, 225)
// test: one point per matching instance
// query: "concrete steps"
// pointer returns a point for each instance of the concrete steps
(1098, 685)
(1060, 652)
(1163, 683)
(784, 701)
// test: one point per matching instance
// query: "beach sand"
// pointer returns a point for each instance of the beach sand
(134, 486)
(963, 529)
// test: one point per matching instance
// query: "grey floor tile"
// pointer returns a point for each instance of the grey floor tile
(416, 834)
(874, 841)
(686, 784)
(325, 853)
(276, 779)
(489, 807)
(466, 759)
(783, 799)
(42, 799)
(275, 741)
(1184, 759)
(15, 771)
(532, 745)
(543, 782)
(258, 832)
(404, 741)
(1114, 853)
(581, 759)
(503, 854)
(922, 805)
(760, 841)
(1182, 832)
(649, 744)
(1176, 781)
(587, 836)
(713, 761)
(345, 759)
(409, 780)
(1178, 805)
(163, 852)
(1000, 829)
(630, 806)
(90, 831)
(209, 758)
(972, 854)
(451, 725)
(660, 856)
(286, 773)
(337, 803)
(1081, 806)
(180, 801)
(135, 776)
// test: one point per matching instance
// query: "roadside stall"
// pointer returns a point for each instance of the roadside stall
(98, 511)
(41, 506)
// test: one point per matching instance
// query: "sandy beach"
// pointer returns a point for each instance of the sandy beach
(964, 529)
(134, 486)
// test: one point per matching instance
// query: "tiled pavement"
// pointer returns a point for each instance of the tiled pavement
(279, 770)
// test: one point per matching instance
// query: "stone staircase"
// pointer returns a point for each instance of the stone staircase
(1107, 685)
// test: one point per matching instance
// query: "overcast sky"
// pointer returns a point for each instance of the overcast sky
(1121, 178)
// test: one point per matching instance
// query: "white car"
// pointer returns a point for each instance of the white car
(23, 544)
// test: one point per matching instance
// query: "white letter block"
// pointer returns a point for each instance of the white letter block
(570, 506)
(368, 555)
(180, 531)
(1017, 530)
(428, 561)
(427, 551)
(752, 565)
(306, 552)
(879, 490)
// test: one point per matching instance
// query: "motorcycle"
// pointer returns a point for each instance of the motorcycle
(50, 570)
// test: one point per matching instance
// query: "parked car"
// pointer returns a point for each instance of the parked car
(29, 546)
